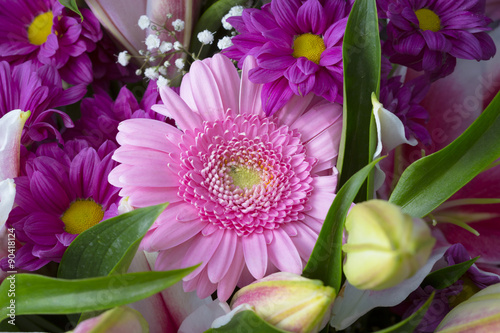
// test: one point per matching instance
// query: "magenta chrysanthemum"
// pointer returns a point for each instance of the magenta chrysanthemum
(430, 34)
(248, 193)
(298, 47)
(47, 33)
(39, 90)
(101, 115)
(63, 192)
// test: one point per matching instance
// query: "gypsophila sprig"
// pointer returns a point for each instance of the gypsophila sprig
(206, 37)
(144, 22)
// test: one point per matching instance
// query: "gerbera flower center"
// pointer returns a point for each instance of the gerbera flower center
(245, 174)
(244, 177)
(428, 20)
(81, 215)
(310, 46)
(40, 29)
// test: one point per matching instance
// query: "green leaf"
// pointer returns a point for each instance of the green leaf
(361, 59)
(246, 321)
(325, 262)
(71, 5)
(109, 246)
(445, 277)
(428, 182)
(409, 324)
(211, 20)
(38, 294)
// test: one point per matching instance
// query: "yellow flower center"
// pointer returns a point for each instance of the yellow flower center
(40, 28)
(428, 20)
(244, 177)
(309, 46)
(81, 215)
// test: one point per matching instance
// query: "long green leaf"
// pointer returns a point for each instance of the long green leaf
(37, 294)
(211, 21)
(325, 262)
(108, 246)
(428, 182)
(445, 277)
(361, 59)
(71, 5)
(246, 321)
(409, 324)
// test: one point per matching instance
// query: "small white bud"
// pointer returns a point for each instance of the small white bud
(224, 43)
(162, 81)
(152, 59)
(151, 73)
(162, 70)
(179, 63)
(144, 22)
(178, 25)
(165, 47)
(152, 42)
(138, 72)
(124, 58)
(206, 37)
(177, 46)
(166, 63)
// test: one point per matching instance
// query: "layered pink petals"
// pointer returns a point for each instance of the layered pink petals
(243, 182)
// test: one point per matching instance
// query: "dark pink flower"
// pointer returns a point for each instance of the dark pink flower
(47, 33)
(430, 35)
(298, 47)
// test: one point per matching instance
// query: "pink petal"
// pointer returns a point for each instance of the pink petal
(177, 109)
(250, 101)
(317, 120)
(201, 251)
(255, 252)
(207, 95)
(227, 79)
(223, 257)
(284, 254)
(320, 202)
(229, 281)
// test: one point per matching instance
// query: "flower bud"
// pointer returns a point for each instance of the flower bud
(480, 313)
(384, 245)
(288, 301)
(119, 319)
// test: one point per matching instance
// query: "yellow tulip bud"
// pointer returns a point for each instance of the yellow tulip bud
(384, 245)
(288, 301)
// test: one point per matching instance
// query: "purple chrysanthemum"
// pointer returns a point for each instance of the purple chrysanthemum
(248, 193)
(430, 34)
(47, 33)
(298, 47)
(39, 90)
(403, 100)
(63, 193)
(101, 115)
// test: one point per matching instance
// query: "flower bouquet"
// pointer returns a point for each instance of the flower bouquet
(249, 166)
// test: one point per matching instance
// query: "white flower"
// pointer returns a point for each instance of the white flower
(151, 73)
(206, 37)
(234, 11)
(177, 46)
(225, 42)
(124, 58)
(144, 22)
(178, 25)
(165, 47)
(166, 63)
(179, 63)
(152, 42)
(162, 70)
(138, 72)
(162, 81)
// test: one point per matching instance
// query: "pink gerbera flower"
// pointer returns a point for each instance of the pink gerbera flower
(248, 193)
(298, 47)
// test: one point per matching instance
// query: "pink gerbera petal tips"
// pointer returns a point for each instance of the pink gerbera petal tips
(248, 193)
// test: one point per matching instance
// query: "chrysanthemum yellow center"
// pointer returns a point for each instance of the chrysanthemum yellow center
(309, 46)
(244, 177)
(428, 20)
(40, 28)
(81, 215)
